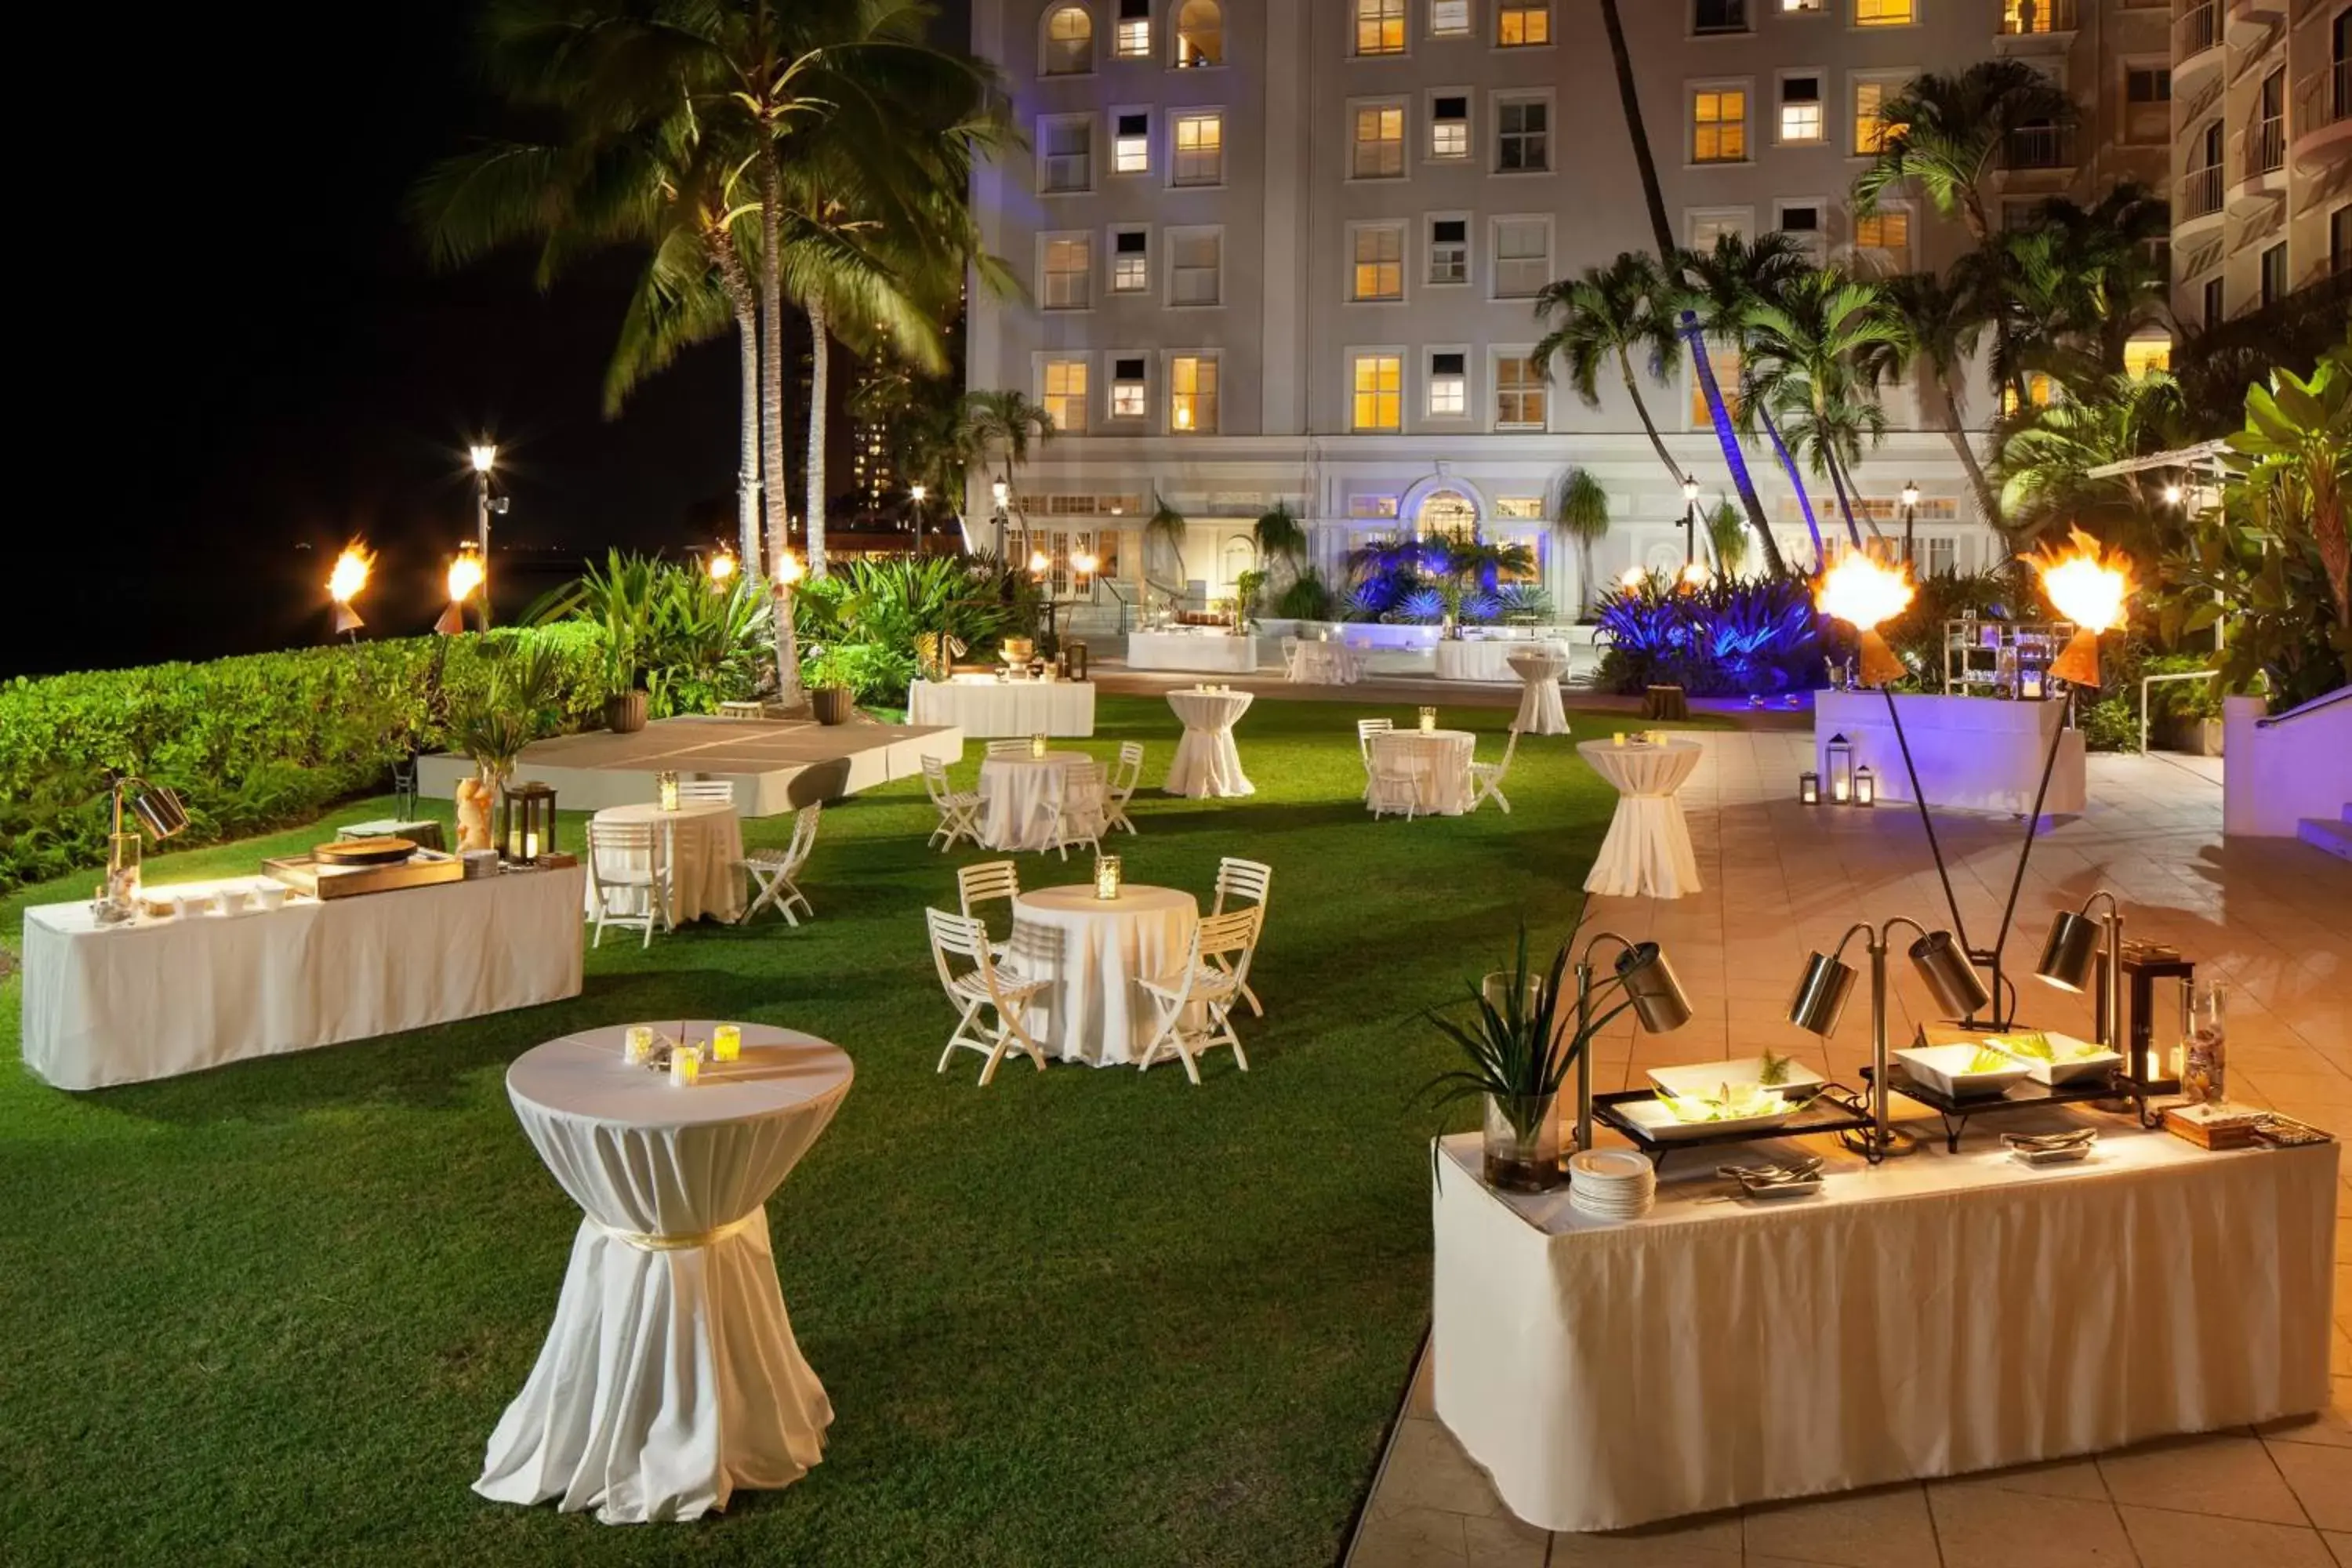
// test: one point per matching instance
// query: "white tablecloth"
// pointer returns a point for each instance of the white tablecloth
(1213, 651)
(1973, 753)
(1014, 792)
(1539, 666)
(706, 851)
(1440, 761)
(1941, 1314)
(1326, 664)
(1648, 849)
(155, 998)
(1094, 951)
(670, 1376)
(1483, 659)
(987, 708)
(1207, 764)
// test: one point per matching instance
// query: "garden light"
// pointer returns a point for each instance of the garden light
(2089, 589)
(2172, 495)
(789, 569)
(1038, 562)
(916, 492)
(1690, 493)
(1862, 593)
(1910, 496)
(484, 456)
(722, 566)
(1633, 579)
(1001, 491)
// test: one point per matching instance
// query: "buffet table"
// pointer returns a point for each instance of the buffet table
(1486, 658)
(985, 707)
(1093, 952)
(1940, 1314)
(152, 998)
(1218, 653)
(1973, 753)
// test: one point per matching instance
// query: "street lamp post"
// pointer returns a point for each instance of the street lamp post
(1690, 519)
(914, 494)
(1910, 516)
(1002, 494)
(484, 455)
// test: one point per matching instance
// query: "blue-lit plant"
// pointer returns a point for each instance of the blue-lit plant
(1722, 639)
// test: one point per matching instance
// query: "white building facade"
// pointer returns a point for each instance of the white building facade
(1286, 250)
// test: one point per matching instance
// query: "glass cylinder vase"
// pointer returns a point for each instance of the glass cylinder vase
(1521, 1145)
(2205, 1065)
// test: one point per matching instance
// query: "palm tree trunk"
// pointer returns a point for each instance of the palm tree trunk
(1629, 98)
(1987, 501)
(1633, 390)
(820, 378)
(746, 467)
(1727, 439)
(771, 419)
(1583, 576)
(1796, 480)
(1846, 507)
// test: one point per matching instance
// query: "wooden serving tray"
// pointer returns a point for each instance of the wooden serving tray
(379, 851)
(307, 874)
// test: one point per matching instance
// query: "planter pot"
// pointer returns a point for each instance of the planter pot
(1522, 1144)
(833, 704)
(626, 714)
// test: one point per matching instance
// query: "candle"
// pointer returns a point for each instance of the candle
(667, 781)
(685, 1066)
(1428, 721)
(637, 1045)
(1036, 745)
(530, 845)
(1618, 739)
(1838, 788)
(1107, 876)
(726, 1042)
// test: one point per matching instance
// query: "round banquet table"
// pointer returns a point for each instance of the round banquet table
(704, 846)
(1014, 793)
(1092, 951)
(1325, 664)
(1439, 761)
(670, 1376)
(1207, 764)
(1648, 849)
(1539, 666)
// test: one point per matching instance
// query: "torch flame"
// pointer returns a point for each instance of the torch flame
(351, 573)
(1862, 593)
(2086, 586)
(465, 577)
(1633, 580)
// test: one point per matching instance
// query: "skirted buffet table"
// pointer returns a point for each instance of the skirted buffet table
(1973, 753)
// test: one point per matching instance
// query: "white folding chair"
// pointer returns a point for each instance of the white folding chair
(773, 870)
(1365, 730)
(1486, 778)
(706, 792)
(986, 883)
(1074, 802)
(1123, 782)
(983, 986)
(1195, 1002)
(1397, 769)
(1243, 881)
(1290, 647)
(959, 809)
(628, 878)
(1015, 747)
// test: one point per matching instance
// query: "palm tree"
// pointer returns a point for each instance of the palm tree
(1002, 423)
(1726, 538)
(1582, 513)
(1937, 325)
(1165, 526)
(1814, 351)
(1610, 315)
(1281, 541)
(1723, 282)
(2045, 463)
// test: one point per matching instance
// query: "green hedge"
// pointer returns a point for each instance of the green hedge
(251, 744)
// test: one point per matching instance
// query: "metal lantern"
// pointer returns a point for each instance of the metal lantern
(527, 822)
(1865, 786)
(1077, 660)
(1809, 787)
(1839, 757)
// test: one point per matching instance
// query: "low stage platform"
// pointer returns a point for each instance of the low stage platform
(777, 765)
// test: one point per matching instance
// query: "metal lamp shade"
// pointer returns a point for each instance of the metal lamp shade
(2068, 953)
(1948, 974)
(1822, 994)
(159, 809)
(1658, 999)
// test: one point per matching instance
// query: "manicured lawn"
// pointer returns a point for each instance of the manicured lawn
(270, 1313)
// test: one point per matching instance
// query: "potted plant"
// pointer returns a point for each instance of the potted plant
(1519, 1047)
(492, 723)
(832, 686)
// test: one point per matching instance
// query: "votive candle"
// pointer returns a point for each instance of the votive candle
(1617, 738)
(637, 1045)
(685, 1066)
(726, 1042)
(1036, 745)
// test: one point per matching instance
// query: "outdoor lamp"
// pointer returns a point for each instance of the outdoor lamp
(1038, 562)
(1910, 496)
(1656, 996)
(1084, 565)
(1839, 754)
(1865, 786)
(1632, 579)
(1695, 574)
(789, 569)
(2073, 956)
(484, 456)
(1690, 492)
(1809, 788)
(465, 577)
(157, 809)
(1001, 491)
(2172, 495)
(722, 566)
(1828, 981)
(916, 492)
(2089, 589)
(1862, 593)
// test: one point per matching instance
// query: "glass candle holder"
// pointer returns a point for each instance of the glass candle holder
(1036, 745)
(1428, 721)
(726, 1042)
(1107, 876)
(667, 783)
(637, 1044)
(1618, 739)
(685, 1066)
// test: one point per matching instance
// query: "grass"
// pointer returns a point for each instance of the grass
(270, 1313)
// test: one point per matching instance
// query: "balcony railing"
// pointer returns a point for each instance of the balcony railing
(2266, 145)
(2200, 193)
(2199, 29)
(2041, 147)
(2325, 97)
(2018, 17)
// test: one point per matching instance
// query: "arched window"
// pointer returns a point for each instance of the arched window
(1446, 511)
(1200, 35)
(1069, 42)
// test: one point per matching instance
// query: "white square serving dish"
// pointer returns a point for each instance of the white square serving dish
(1800, 1083)
(1946, 1068)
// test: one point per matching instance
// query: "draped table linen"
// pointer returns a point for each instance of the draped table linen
(670, 1376)
(1016, 795)
(1220, 653)
(1539, 666)
(1480, 659)
(985, 707)
(1092, 951)
(1439, 761)
(153, 998)
(1325, 664)
(1648, 849)
(1939, 1314)
(1207, 764)
(704, 842)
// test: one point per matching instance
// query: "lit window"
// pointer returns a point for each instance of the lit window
(1522, 258)
(1522, 136)
(1200, 139)
(1069, 42)
(1449, 128)
(1887, 232)
(1800, 6)
(1449, 387)
(1720, 126)
(2144, 354)
(1870, 127)
(1068, 153)
(1379, 142)
(1195, 267)
(1449, 250)
(1520, 509)
(1522, 24)
(1067, 264)
(1066, 395)
(1130, 262)
(1725, 364)
(1200, 35)
(1380, 393)
(1801, 109)
(1193, 395)
(1378, 272)
(1131, 150)
(1706, 228)
(1884, 12)
(2025, 16)
(2038, 392)
(1132, 41)
(1380, 27)
(1127, 393)
(1449, 18)
(1518, 394)
(1718, 16)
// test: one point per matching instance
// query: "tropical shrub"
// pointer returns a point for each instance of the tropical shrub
(1524, 604)
(1726, 638)
(667, 628)
(864, 618)
(1308, 598)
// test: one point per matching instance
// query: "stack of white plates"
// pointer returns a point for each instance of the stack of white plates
(1611, 1183)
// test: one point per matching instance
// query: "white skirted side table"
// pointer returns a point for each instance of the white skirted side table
(1207, 764)
(670, 1376)
(1539, 666)
(704, 842)
(1015, 792)
(1648, 849)
(1095, 953)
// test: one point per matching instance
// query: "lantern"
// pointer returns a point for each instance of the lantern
(1840, 760)
(726, 1042)
(1077, 660)
(685, 1066)
(1106, 877)
(637, 1045)
(665, 781)
(1865, 786)
(1428, 721)
(1036, 745)
(528, 824)
(1809, 788)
